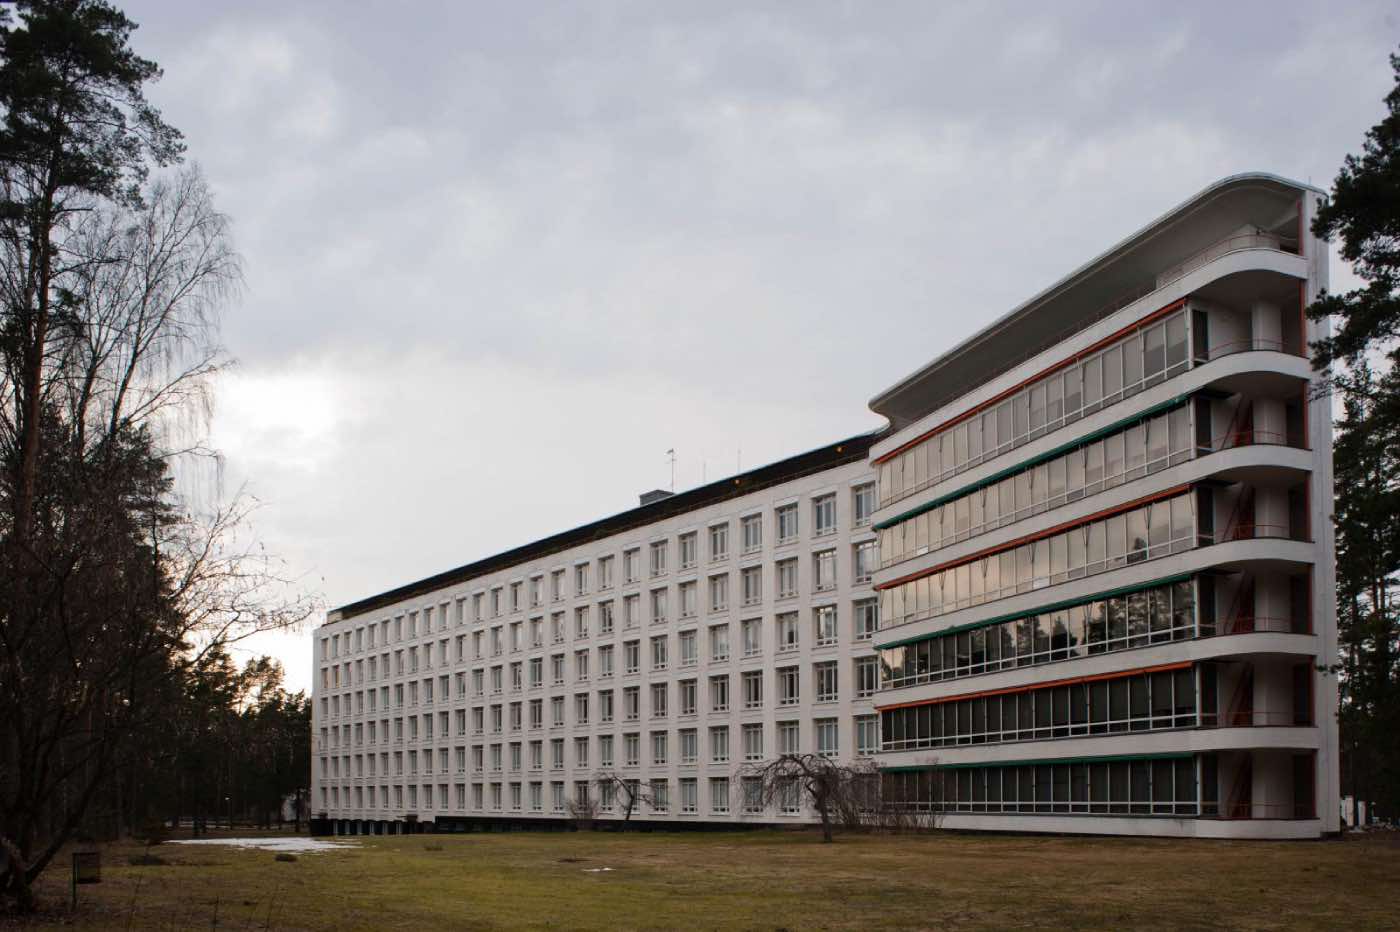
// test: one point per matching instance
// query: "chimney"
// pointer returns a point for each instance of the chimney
(655, 495)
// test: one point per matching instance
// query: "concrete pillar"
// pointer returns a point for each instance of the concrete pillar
(1270, 421)
(1266, 325)
(1271, 512)
(1272, 605)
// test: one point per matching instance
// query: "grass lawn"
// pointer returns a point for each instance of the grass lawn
(768, 880)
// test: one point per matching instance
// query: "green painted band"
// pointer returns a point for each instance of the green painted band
(1106, 759)
(1039, 610)
(1036, 461)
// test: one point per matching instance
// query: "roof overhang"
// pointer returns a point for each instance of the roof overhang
(1123, 273)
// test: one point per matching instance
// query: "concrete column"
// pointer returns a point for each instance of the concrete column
(1270, 421)
(1272, 605)
(1270, 512)
(1266, 325)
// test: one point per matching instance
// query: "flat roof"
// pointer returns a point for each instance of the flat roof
(823, 458)
(1112, 280)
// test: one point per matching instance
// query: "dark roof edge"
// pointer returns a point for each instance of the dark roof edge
(826, 457)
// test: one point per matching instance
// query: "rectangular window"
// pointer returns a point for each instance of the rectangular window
(867, 675)
(828, 744)
(719, 643)
(719, 693)
(719, 593)
(658, 558)
(788, 635)
(823, 515)
(824, 625)
(825, 675)
(752, 682)
(719, 542)
(719, 744)
(689, 795)
(787, 578)
(789, 738)
(752, 631)
(752, 579)
(688, 547)
(863, 504)
(751, 527)
(786, 519)
(719, 795)
(789, 691)
(824, 571)
(753, 742)
(688, 651)
(867, 618)
(867, 735)
(865, 558)
(631, 565)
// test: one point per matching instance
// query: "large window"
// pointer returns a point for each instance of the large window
(1161, 786)
(1095, 626)
(1153, 701)
(1136, 450)
(1069, 393)
(1142, 533)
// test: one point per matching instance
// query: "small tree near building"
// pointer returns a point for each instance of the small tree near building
(630, 793)
(839, 793)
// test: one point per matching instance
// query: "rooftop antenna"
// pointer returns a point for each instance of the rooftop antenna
(672, 454)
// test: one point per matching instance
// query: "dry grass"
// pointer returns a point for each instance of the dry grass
(767, 880)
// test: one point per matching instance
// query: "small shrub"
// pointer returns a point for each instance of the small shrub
(284, 856)
(146, 860)
(432, 847)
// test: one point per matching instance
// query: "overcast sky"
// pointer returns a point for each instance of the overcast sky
(501, 257)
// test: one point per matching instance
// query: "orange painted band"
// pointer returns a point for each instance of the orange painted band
(1039, 535)
(1049, 370)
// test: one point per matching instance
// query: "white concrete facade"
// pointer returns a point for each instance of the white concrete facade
(448, 724)
(1033, 677)
(1109, 615)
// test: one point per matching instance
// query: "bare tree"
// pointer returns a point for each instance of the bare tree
(838, 792)
(114, 584)
(629, 792)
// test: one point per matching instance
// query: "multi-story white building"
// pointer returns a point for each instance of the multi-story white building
(1104, 574)
(666, 645)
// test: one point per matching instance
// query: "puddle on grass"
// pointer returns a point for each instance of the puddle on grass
(294, 845)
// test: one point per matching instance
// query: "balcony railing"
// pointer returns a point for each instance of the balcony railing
(1257, 240)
